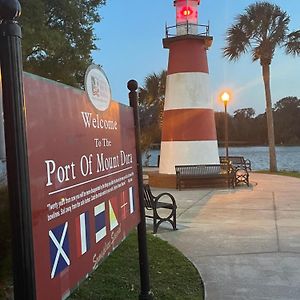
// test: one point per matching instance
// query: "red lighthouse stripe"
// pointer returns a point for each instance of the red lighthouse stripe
(187, 55)
(189, 125)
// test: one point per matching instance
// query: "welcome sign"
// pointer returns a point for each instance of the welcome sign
(83, 180)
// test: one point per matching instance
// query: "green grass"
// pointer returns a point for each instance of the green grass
(172, 276)
(284, 173)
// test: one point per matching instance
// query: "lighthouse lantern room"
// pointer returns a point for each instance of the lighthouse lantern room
(186, 16)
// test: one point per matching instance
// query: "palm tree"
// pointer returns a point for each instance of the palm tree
(260, 30)
(152, 93)
(151, 103)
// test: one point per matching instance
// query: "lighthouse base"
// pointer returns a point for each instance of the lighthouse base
(187, 153)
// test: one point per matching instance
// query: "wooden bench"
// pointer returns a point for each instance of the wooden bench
(242, 167)
(186, 173)
(154, 203)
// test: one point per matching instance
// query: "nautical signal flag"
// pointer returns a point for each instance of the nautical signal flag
(124, 204)
(59, 249)
(131, 199)
(113, 211)
(127, 202)
(100, 222)
(82, 227)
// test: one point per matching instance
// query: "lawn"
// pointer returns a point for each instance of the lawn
(172, 276)
(284, 173)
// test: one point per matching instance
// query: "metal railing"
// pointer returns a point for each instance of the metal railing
(187, 29)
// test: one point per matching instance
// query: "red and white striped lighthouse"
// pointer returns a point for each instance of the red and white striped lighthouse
(188, 131)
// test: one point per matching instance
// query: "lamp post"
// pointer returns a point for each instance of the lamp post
(225, 97)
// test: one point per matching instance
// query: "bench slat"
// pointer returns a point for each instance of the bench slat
(206, 171)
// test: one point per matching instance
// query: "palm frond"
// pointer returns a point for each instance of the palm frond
(278, 29)
(152, 93)
(261, 28)
(237, 42)
(292, 46)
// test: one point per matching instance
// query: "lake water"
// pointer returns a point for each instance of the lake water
(288, 157)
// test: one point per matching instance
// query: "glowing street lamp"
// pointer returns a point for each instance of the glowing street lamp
(225, 97)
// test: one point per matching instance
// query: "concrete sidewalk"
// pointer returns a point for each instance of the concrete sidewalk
(244, 242)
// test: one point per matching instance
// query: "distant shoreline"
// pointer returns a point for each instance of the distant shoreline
(256, 145)
(234, 144)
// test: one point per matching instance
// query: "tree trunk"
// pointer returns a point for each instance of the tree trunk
(269, 112)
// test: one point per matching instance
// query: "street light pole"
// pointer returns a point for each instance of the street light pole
(226, 130)
(225, 97)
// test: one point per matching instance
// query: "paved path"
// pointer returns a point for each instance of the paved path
(244, 242)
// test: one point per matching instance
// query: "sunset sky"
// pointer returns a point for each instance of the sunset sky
(130, 41)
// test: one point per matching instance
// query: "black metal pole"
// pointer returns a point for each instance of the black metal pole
(142, 240)
(16, 150)
(226, 131)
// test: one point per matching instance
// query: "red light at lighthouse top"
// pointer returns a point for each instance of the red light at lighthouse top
(186, 11)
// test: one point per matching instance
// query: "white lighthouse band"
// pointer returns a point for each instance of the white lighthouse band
(97, 87)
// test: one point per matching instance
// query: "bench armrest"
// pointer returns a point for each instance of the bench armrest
(241, 168)
(156, 199)
(248, 164)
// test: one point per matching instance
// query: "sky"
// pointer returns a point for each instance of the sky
(130, 47)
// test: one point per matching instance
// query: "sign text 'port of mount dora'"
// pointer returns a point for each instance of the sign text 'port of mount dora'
(83, 182)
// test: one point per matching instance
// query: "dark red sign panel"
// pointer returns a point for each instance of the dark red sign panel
(83, 181)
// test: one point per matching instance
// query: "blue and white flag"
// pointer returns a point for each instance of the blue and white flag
(100, 222)
(82, 233)
(59, 249)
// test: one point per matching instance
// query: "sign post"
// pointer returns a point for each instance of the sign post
(2, 141)
(143, 253)
(16, 149)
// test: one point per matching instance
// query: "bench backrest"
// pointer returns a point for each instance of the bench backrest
(198, 170)
(148, 197)
(237, 162)
(240, 160)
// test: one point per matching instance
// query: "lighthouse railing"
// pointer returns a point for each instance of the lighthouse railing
(187, 29)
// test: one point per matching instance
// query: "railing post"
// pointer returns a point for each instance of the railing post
(16, 150)
(142, 239)
(166, 30)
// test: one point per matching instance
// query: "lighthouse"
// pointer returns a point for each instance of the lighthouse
(188, 129)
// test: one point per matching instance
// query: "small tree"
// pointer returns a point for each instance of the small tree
(286, 120)
(243, 121)
(58, 37)
(261, 29)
